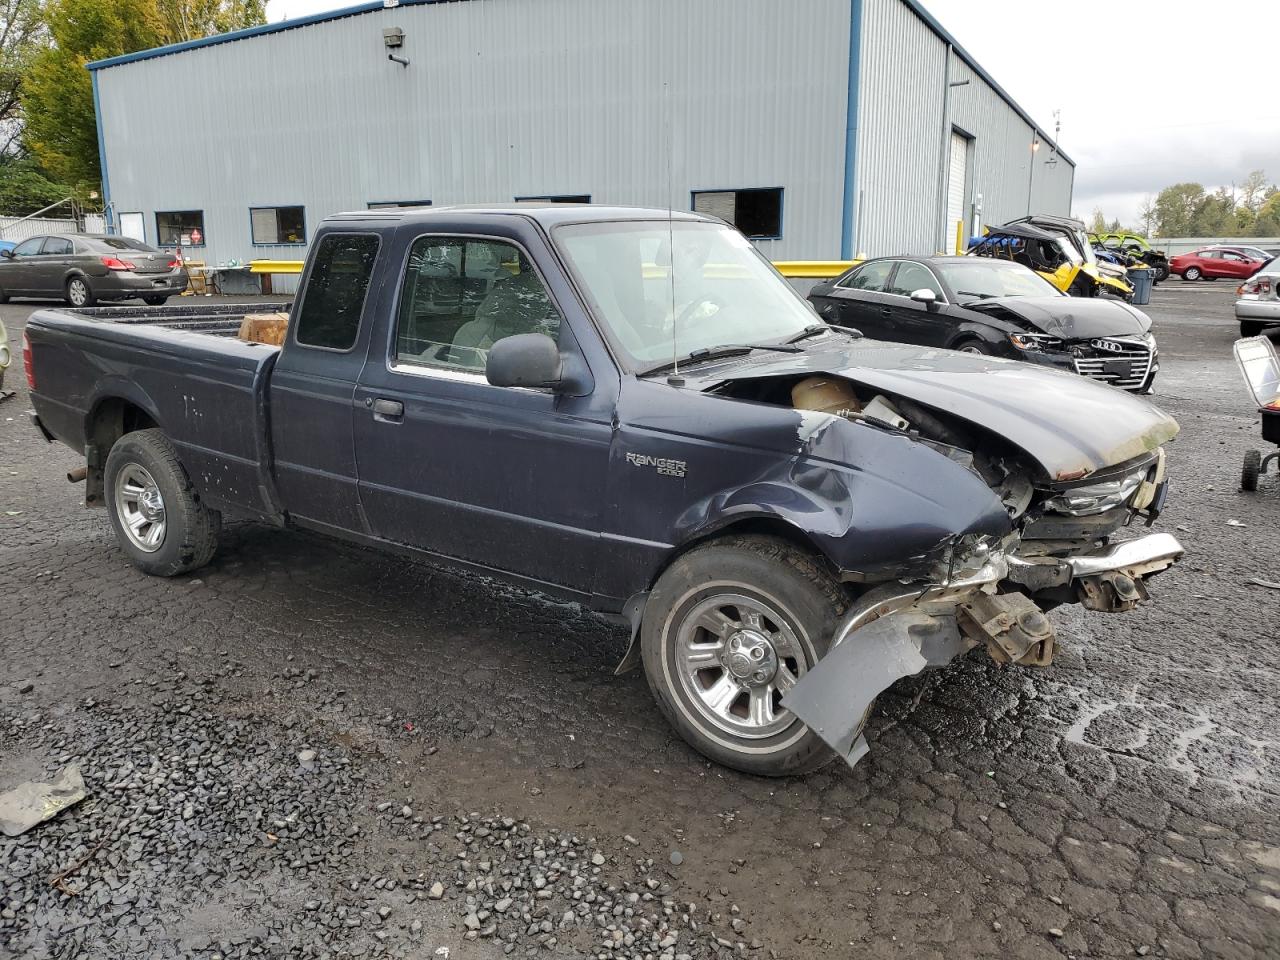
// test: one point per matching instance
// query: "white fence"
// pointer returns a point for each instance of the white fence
(1172, 246)
(15, 228)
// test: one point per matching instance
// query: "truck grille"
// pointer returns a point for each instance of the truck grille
(1101, 360)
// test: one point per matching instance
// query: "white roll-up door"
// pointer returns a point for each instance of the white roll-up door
(956, 180)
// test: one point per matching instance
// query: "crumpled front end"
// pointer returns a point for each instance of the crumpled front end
(896, 630)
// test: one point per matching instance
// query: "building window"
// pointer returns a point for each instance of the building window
(180, 228)
(396, 204)
(335, 291)
(557, 198)
(756, 212)
(277, 225)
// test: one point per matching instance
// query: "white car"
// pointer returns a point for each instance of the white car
(1259, 303)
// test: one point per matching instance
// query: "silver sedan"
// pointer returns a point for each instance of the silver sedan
(83, 268)
(1259, 303)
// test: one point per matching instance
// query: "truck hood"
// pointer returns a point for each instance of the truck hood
(1072, 427)
(1071, 318)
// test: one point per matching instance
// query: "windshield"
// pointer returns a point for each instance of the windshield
(723, 291)
(984, 279)
(125, 243)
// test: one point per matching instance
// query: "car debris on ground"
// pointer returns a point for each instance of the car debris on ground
(32, 803)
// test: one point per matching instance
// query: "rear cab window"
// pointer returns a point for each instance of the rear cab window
(337, 285)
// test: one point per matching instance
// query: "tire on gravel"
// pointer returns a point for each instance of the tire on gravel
(191, 529)
(786, 581)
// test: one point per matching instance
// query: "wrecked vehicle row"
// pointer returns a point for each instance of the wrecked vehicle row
(632, 410)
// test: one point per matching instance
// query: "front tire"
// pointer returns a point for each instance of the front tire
(159, 520)
(79, 293)
(1191, 273)
(728, 629)
(974, 346)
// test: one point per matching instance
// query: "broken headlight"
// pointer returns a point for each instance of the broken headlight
(1097, 497)
(1036, 341)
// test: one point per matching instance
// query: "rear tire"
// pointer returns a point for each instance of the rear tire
(155, 301)
(1251, 328)
(159, 520)
(79, 293)
(745, 604)
(1251, 470)
(1191, 273)
(1161, 271)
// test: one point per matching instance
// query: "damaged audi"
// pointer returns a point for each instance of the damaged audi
(632, 410)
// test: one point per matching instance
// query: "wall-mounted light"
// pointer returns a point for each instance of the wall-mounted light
(393, 39)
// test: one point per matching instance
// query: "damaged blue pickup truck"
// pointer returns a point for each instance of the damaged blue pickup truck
(630, 409)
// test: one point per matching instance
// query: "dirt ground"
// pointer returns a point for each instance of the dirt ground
(1125, 801)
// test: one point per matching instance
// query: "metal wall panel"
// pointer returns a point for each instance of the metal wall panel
(635, 103)
(907, 114)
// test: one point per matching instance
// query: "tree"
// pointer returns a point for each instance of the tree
(24, 188)
(1253, 191)
(1098, 224)
(1148, 214)
(1215, 216)
(1176, 208)
(57, 94)
(21, 35)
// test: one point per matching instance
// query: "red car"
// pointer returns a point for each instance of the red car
(1211, 263)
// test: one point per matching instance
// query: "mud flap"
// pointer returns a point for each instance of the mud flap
(835, 696)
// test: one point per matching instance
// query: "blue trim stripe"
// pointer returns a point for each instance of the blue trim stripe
(849, 211)
(102, 155)
(919, 10)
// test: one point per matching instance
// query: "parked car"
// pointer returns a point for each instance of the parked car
(1210, 263)
(995, 307)
(1259, 303)
(1253, 253)
(83, 268)
(630, 409)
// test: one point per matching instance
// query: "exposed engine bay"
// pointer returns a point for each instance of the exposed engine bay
(981, 592)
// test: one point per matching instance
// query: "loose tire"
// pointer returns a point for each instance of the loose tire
(1251, 328)
(155, 301)
(1252, 468)
(79, 293)
(159, 520)
(1191, 273)
(729, 627)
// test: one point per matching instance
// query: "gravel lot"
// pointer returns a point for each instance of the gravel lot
(311, 750)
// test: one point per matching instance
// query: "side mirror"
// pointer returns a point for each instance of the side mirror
(924, 295)
(7, 254)
(524, 360)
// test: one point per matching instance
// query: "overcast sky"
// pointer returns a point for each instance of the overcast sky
(1152, 92)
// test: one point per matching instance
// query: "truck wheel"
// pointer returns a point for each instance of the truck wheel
(728, 629)
(158, 518)
(1252, 468)
(79, 293)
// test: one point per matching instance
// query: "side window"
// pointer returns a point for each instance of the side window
(28, 248)
(460, 296)
(871, 276)
(912, 277)
(59, 246)
(334, 297)
(1210, 255)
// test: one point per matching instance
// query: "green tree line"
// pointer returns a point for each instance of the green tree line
(1249, 209)
(48, 131)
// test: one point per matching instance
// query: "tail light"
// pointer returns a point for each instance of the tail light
(175, 262)
(115, 263)
(1258, 285)
(27, 366)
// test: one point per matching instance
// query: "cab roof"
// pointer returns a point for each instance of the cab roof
(545, 213)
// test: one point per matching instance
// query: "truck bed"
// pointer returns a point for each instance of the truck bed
(183, 367)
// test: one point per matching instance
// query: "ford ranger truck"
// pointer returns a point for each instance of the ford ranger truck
(630, 409)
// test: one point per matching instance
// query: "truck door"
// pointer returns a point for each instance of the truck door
(512, 479)
(314, 380)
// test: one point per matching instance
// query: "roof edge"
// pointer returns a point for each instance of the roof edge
(918, 9)
(261, 29)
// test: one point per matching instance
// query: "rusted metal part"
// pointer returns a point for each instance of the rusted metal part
(1113, 592)
(78, 474)
(1011, 626)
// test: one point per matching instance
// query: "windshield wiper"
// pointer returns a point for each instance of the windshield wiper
(812, 330)
(715, 353)
(970, 293)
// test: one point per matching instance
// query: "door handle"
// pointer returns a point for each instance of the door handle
(388, 411)
(885, 311)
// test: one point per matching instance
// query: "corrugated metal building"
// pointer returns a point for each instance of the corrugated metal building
(822, 127)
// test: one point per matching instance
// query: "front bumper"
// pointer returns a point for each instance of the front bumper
(1132, 369)
(897, 630)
